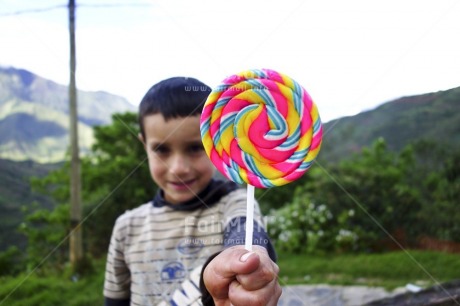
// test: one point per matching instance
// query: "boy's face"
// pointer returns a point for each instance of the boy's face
(177, 160)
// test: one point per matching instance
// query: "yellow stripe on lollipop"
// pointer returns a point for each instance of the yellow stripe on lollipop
(268, 171)
(314, 113)
(216, 114)
(243, 174)
(207, 142)
(305, 139)
(280, 181)
(243, 128)
(287, 81)
(214, 96)
(312, 154)
(226, 138)
(251, 97)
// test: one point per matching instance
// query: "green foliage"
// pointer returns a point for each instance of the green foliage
(10, 261)
(440, 214)
(114, 178)
(15, 191)
(277, 197)
(46, 230)
(390, 270)
(384, 199)
(53, 289)
(377, 200)
(303, 227)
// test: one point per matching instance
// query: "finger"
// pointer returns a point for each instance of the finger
(222, 270)
(266, 272)
(268, 295)
(235, 260)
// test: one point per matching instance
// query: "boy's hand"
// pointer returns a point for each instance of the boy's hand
(240, 278)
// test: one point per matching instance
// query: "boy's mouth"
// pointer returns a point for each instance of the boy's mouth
(182, 185)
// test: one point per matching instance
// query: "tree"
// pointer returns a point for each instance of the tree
(440, 214)
(375, 188)
(116, 178)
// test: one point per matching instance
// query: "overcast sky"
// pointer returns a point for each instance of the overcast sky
(349, 55)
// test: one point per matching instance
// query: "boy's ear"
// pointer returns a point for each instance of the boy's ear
(141, 139)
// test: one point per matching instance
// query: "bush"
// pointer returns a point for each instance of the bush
(10, 261)
(304, 227)
(53, 288)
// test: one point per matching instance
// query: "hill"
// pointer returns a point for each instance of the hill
(429, 118)
(34, 121)
(15, 192)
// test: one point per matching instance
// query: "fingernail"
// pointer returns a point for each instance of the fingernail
(245, 256)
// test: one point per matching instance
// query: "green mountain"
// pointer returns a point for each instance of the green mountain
(34, 121)
(432, 118)
(15, 192)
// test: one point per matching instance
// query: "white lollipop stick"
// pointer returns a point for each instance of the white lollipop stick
(249, 218)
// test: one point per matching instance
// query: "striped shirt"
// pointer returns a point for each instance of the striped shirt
(157, 250)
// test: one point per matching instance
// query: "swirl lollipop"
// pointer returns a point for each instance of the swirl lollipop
(262, 128)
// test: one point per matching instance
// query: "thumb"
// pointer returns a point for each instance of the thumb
(222, 270)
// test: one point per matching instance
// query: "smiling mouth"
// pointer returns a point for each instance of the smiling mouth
(183, 184)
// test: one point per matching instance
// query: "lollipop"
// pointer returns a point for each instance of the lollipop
(262, 128)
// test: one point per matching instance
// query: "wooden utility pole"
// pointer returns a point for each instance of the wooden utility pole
(76, 243)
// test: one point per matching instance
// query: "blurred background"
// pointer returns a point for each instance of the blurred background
(378, 208)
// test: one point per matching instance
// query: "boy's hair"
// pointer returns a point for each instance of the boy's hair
(174, 97)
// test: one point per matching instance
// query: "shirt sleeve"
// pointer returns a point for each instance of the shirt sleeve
(235, 223)
(235, 234)
(235, 206)
(117, 275)
(113, 302)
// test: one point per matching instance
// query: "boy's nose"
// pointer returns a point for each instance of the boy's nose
(179, 165)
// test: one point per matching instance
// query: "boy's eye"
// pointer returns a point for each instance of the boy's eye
(160, 149)
(195, 148)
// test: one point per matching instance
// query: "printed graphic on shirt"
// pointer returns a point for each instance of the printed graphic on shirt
(173, 271)
(190, 245)
(189, 293)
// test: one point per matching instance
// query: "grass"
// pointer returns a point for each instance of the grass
(52, 289)
(388, 270)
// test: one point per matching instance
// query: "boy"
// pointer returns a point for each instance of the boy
(184, 247)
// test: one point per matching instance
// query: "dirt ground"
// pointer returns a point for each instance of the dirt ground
(447, 294)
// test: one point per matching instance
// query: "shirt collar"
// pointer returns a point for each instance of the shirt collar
(215, 190)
